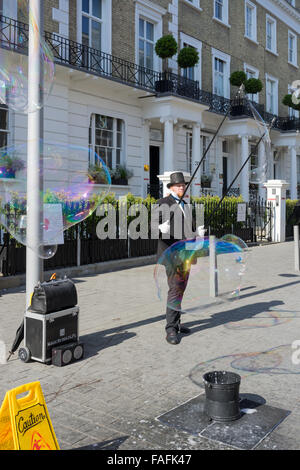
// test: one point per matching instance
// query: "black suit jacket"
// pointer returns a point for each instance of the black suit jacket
(182, 225)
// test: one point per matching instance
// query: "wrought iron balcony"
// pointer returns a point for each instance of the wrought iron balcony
(14, 36)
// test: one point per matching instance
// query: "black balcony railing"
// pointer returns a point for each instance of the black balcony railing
(14, 36)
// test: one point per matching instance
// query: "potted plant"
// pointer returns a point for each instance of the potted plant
(238, 78)
(120, 175)
(287, 101)
(206, 180)
(97, 175)
(188, 57)
(253, 86)
(9, 165)
(165, 47)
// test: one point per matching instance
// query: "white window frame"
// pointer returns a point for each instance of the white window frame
(194, 3)
(295, 52)
(253, 35)
(153, 13)
(225, 58)
(275, 80)
(293, 112)
(92, 144)
(255, 72)
(185, 39)
(7, 130)
(106, 29)
(273, 49)
(225, 16)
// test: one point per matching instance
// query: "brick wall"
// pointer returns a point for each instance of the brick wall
(49, 24)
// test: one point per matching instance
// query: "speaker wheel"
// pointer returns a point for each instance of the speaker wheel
(24, 354)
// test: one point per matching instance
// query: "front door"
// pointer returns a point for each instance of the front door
(154, 171)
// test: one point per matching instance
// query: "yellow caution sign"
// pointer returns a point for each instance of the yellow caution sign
(24, 420)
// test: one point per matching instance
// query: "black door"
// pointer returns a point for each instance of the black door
(154, 171)
(225, 175)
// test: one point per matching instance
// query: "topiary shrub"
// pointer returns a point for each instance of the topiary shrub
(166, 47)
(238, 78)
(188, 57)
(253, 86)
(287, 101)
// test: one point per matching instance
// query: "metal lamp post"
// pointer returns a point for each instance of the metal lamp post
(34, 264)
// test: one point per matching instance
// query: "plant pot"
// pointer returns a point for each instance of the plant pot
(163, 86)
(7, 172)
(222, 395)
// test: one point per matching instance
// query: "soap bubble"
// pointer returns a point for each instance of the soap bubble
(187, 265)
(259, 162)
(14, 67)
(67, 197)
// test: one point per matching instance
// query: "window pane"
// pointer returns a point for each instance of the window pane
(149, 55)
(118, 157)
(85, 31)
(3, 119)
(3, 139)
(150, 31)
(119, 125)
(141, 28)
(96, 35)
(97, 8)
(85, 6)
(119, 140)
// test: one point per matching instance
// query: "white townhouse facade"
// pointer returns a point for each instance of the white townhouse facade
(110, 93)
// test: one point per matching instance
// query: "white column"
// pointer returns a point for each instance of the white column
(169, 160)
(244, 177)
(293, 176)
(196, 157)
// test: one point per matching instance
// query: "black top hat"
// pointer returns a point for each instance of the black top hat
(176, 178)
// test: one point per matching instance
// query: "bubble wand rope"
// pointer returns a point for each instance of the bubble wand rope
(239, 172)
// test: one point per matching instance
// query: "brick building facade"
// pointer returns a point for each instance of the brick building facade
(106, 66)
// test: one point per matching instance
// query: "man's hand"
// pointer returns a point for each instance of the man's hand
(165, 227)
(201, 231)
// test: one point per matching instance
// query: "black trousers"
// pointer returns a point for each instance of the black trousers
(177, 282)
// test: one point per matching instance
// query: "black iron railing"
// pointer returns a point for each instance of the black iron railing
(14, 36)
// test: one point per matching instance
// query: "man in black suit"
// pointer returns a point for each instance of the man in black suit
(175, 224)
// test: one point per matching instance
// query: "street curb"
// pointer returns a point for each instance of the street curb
(77, 271)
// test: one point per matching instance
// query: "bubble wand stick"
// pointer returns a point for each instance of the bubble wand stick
(240, 170)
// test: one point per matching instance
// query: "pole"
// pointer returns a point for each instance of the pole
(213, 272)
(34, 264)
(296, 248)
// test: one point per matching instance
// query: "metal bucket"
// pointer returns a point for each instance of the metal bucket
(222, 395)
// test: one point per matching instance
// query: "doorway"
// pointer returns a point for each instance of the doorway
(154, 185)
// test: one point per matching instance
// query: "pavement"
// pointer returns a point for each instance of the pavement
(130, 375)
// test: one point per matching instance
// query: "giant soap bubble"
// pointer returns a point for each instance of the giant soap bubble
(188, 261)
(259, 167)
(68, 193)
(14, 64)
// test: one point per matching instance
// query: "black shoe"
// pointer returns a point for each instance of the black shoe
(172, 337)
(184, 330)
